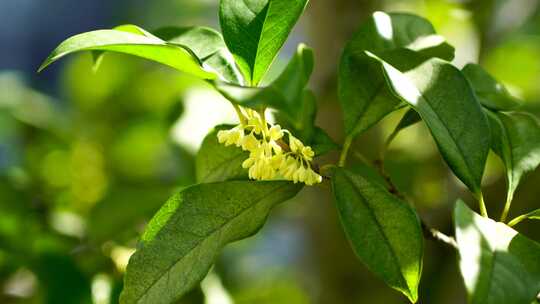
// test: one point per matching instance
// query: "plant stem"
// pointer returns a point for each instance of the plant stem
(379, 164)
(436, 235)
(345, 151)
(482, 205)
(517, 220)
(506, 210)
(239, 113)
(382, 153)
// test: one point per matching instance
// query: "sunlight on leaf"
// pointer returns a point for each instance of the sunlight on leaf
(498, 265)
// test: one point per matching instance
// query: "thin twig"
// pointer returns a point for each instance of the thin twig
(391, 186)
(436, 235)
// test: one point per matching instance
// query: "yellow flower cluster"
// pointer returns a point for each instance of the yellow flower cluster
(268, 156)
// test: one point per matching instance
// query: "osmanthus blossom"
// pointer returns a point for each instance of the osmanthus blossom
(269, 158)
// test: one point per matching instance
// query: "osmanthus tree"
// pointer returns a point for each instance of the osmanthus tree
(393, 61)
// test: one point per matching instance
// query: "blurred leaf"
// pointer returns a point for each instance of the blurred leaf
(384, 232)
(291, 84)
(516, 139)
(285, 94)
(498, 265)
(120, 212)
(255, 31)
(208, 46)
(488, 90)
(29, 106)
(151, 48)
(322, 143)
(61, 280)
(362, 93)
(272, 291)
(185, 236)
(216, 163)
(442, 96)
(522, 51)
(154, 155)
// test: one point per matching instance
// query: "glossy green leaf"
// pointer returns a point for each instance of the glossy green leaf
(202, 41)
(442, 96)
(208, 45)
(363, 95)
(255, 31)
(489, 91)
(97, 56)
(183, 239)
(215, 162)
(516, 139)
(148, 47)
(498, 265)
(384, 232)
(286, 94)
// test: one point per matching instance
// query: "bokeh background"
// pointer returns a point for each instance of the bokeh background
(87, 158)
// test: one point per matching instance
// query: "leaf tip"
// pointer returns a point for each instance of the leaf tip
(42, 67)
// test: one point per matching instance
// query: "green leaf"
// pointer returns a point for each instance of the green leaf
(442, 96)
(255, 31)
(410, 118)
(489, 91)
(97, 56)
(498, 265)
(208, 45)
(202, 41)
(183, 239)
(287, 94)
(215, 162)
(516, 140)
(322, 143)
(364, 98)
(139, 45)
(384, 232)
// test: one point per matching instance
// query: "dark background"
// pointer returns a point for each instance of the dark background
(87, 158)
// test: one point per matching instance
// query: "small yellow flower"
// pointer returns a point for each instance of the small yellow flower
(312, 178)
(288, 167)
(308, 153)
(299, 175)
(250, 143)
(267, 160)
(231, 137)
(295, 144)
(275, 132)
